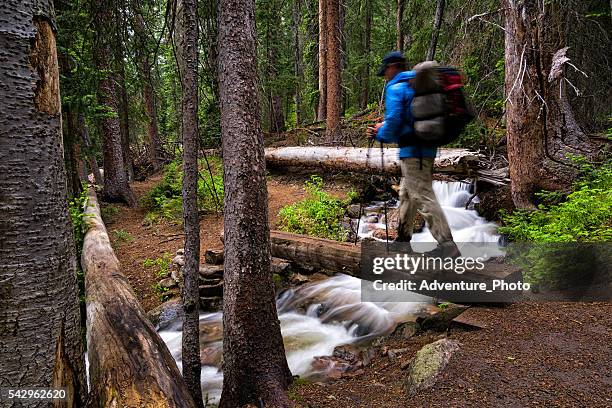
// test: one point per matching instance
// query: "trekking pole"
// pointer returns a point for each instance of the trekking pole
(382, 169)
(370, 144)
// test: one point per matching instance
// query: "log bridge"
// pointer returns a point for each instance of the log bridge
(384, 161)
(450, 161)
(341, 257)
(129, 364)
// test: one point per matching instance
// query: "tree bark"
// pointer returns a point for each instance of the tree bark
(322, 105)
(91, 157)
(276, 118)
(116, 187)
(298, 69)
(399, 43)
(154, 147)
(351, 159)
(124, 116)
(367, 44)
(333, 131)
(541, 127)
(40, 317)
(431, 52)
(187, 30)
(129, 364)
(255, 368)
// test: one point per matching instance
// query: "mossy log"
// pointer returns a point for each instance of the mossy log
(129, 364)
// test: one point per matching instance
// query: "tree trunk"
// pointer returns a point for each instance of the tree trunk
(322, 106)
(75, 173)
(40, 331)
(91, 157)
(124, 126)
(255, 368)
(541, 128)
(187, 30)
(124, 117)
(351, 159)
(154, 148)
(298, 70)
(276, 118)
(116, 187)
(333, 131)
(431, 52)
(129, 364)
(399, 43)
(367, 44)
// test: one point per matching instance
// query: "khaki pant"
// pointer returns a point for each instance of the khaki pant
(416, 194)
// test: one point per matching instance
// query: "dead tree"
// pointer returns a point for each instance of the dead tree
(40, 331)
(255, 369)
(541, 127)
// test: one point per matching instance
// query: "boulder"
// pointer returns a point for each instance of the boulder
(212, 290)
(280, 267)
(210, 303)
(168, 283)
(428, 363)
(179, 260)
(211, 271)
(214, 256)
(166, 313)
(353, 210)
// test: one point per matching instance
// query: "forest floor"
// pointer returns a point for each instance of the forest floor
(546, 354)
(135, 240)
(528, 355)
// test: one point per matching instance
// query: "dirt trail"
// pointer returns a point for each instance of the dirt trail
(152, 241)
(543, 355)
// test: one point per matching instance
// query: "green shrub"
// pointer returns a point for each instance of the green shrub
(161, 265)
(585, 215)
(550, 247)
(165, 200)
(123, 236)
(76, 207)
(319, 214)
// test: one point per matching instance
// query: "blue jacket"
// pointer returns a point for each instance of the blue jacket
(398, 96)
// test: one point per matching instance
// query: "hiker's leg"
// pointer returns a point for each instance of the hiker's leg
(408, 205)
(421, 187)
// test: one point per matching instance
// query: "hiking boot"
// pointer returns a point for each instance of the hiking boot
(444, 250)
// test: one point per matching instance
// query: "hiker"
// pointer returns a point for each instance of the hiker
(416, 162)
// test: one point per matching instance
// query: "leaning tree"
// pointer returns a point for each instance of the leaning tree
(40, 331)
(255, 369)
(542, 129)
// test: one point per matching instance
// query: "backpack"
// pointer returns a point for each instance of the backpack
(439, 107)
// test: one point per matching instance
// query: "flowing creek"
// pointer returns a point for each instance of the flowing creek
(318, 316)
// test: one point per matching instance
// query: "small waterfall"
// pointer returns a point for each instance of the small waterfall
(465, 224)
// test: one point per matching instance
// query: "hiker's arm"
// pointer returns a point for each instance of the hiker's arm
(392, 127)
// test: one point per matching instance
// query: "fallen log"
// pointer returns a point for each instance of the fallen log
(129, 364)
(360, 160)
(339, 257)
(305, 252)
